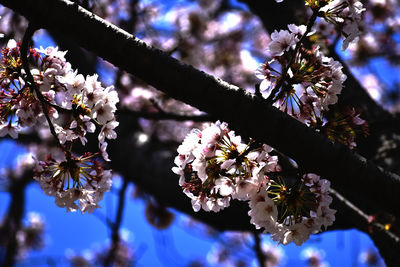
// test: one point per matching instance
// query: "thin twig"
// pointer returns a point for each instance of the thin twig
(115, 238)
(24, 57)
(364, 216)
(258, 249)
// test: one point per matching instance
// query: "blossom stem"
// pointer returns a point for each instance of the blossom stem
(24, 57)
(271, 98)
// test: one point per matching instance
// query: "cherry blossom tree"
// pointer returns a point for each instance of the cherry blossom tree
(298, 143)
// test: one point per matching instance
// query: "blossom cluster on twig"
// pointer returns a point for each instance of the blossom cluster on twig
(215, 166)
(301, 81)
(312, 81)
(73, 106)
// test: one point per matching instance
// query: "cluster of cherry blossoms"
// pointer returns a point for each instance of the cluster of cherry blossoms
(311, 83)
(292, 213)
(301, 81)
(75, 179)
(345, 16)
(71, 106)
(215, 166)
(63, 89)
